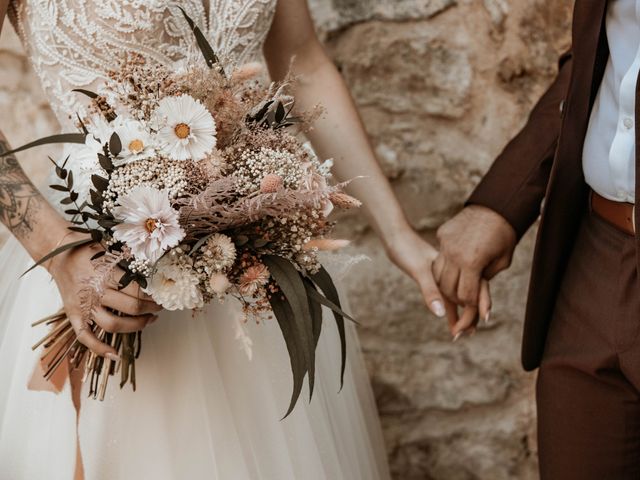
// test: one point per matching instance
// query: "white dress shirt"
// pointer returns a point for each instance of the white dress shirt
(609, 151)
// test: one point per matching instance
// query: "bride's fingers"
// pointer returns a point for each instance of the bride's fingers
(128, 305)
(113, 323)
(484, 302)
(88, 339)
(431, 294)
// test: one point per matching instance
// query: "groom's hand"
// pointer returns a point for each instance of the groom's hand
(475, 245)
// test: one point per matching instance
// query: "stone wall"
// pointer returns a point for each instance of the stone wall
(442, 85)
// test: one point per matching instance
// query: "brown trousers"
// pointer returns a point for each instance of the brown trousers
(589, 381)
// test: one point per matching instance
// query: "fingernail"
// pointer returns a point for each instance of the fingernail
(457, 337)
(487, 317)
(112, 356)
(437, 308)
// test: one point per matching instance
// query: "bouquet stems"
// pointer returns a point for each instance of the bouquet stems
(61, 343)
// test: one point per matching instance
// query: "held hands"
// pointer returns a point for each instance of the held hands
(71, 270)
(415, 257)
(475, 245)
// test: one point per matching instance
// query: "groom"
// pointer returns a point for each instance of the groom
(577, 153)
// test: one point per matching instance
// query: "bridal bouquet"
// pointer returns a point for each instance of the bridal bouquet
(194, 183)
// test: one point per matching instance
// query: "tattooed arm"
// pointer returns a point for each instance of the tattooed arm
(24, 211)
(40, 228)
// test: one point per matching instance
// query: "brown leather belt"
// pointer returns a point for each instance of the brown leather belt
(620, 215)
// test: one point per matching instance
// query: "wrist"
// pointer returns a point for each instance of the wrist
(63, 237)
(394, 236)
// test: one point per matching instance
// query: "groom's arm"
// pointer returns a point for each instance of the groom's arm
(480, 240)
(517, 181)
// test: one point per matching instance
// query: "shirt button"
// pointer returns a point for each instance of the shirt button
(628, 123)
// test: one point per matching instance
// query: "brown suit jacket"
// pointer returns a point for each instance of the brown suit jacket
(544, 161)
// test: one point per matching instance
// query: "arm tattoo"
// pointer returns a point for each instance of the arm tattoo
(19, 198)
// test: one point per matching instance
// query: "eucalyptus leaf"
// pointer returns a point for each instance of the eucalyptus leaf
(318, 297)
(199, 243)
(285, 317)
(288, 279)
(316, 311)
(88, 93)
(324, 281)
(281, 113)
(207, 51)
(58, 251)
(60, 138)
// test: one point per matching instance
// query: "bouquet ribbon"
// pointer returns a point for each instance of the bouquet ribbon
(55, 384)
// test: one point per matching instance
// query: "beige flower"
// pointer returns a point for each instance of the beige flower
(254, 277)
(219, 252)
(219, 283)
(344, 201)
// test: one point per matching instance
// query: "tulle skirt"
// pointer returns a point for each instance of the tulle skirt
(203, 408)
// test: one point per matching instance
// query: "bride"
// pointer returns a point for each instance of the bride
(203, 409)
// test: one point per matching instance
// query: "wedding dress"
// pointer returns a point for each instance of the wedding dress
(203, 409)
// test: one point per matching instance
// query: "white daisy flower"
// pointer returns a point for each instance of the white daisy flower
(187, 129)
(137, 142)
(149, 224)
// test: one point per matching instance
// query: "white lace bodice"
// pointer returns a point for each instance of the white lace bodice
(74, 43)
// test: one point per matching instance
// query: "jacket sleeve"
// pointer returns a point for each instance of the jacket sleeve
(517, 181)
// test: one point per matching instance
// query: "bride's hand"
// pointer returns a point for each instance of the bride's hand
(71, 270)
(415, 257)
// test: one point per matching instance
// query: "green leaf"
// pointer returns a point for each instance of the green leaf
(60, 138)
(199, 243)
(88, 93)
(285, 317)
(105, 162)
(324, 281)
(317, 296)
(82, 125)
(281, 113)
(58, 251)
(115, 145)
(207, 51)
(80, 230)
(107, 223)
(100, 183)
(101, 253)
(291, 284)
(316, 311)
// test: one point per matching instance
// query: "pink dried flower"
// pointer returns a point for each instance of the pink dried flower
(344, 201)
(246, 72)
(253, 278)
(326, 244)
(271, 183)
